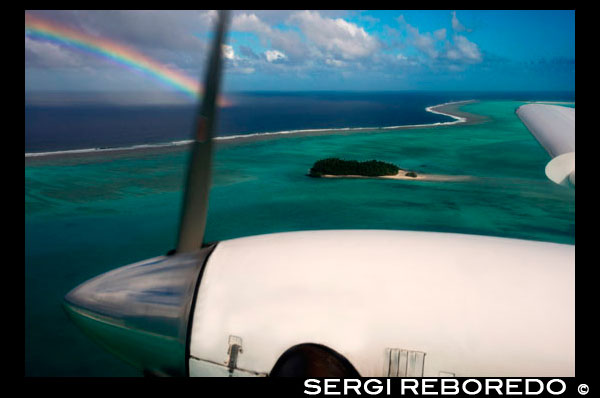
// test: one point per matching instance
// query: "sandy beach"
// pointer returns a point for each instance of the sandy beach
(452, 109)
(402, 176)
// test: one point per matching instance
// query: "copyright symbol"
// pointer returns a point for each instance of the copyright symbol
(583, 389)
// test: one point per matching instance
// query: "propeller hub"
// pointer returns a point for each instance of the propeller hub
(141, 312)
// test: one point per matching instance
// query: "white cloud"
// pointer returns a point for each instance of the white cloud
(307, 42)
(459, 51)
(274, 55)
(228, 52)
(50, 55)
(335, 62)
(440, 34)
(464, 50)
(249, 23)
(425, 42)
(336, 36)
(456, 25)
(286, 41)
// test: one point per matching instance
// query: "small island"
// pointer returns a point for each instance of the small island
(338, 168)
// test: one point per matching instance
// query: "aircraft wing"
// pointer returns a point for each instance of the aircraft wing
(554, 128)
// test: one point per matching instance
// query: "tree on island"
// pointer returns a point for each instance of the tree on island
(336, 166)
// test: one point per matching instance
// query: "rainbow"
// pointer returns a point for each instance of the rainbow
(109, 49)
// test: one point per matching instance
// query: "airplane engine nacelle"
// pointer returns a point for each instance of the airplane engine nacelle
(380, 303)
(392, 303)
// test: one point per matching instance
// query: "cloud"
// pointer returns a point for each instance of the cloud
(142, 29)
(440, 34)
(250, 23)
(369, 19)
(228, 52)
(335, 62)
(274, 18)
(286, 41)
(464, 50)
(306, 40)
(292, 45)
(239, 65)
(42, 54)
(427, 43)
(424, 42)
(456, 25)
(166, 36)
(335, 36)
(299, 44)
(274, 55)
(451, 54)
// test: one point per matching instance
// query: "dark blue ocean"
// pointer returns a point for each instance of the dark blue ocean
(57, 126)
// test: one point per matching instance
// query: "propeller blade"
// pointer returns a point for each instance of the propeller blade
(195, 201)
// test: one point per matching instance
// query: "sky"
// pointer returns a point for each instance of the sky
(304, 50)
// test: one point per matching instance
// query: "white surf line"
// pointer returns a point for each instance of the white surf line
(113, 149)
(430, 109)
(550, 102)
(458, 118)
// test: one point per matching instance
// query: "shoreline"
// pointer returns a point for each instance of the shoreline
(450, 109)
(402, 176)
